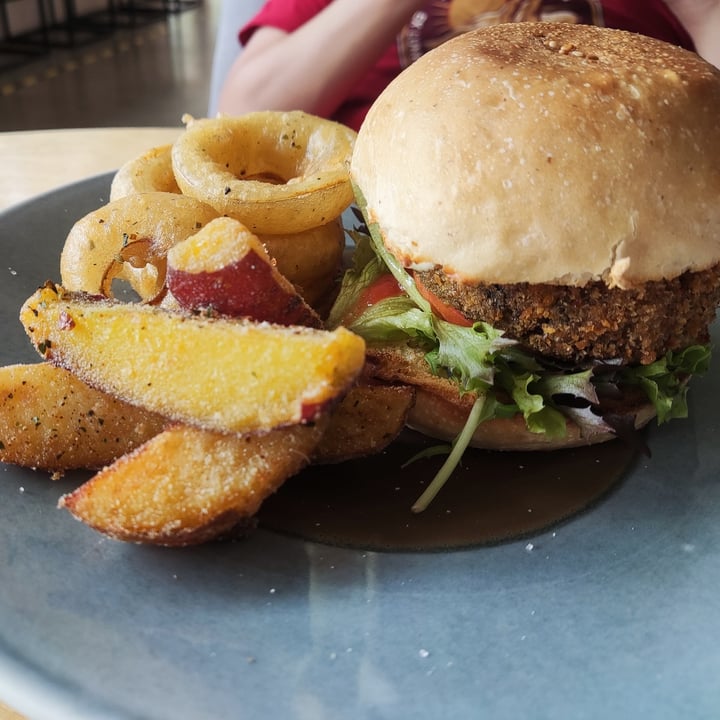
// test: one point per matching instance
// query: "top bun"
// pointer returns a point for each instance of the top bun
(547, 153)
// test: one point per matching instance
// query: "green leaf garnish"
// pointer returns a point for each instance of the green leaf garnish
(478, 414)
(367, 267)
(665, 382)
(393, 319)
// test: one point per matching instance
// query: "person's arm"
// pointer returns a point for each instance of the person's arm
(314, 67)
(701, 18)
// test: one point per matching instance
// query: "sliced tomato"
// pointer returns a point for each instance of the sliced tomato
(441, 308)
(386, 286)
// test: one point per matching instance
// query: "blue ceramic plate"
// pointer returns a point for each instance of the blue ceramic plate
(613, 613)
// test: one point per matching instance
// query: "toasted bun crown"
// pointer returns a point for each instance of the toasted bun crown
(547, 153)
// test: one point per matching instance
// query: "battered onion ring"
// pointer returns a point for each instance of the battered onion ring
(276, 172)
(311, 260)
(128, 239)
(150, 172)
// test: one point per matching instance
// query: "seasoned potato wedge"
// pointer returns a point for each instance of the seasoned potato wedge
(187, 486)
(52, 421)
(219, 374)
(225, 268)
(368, 419)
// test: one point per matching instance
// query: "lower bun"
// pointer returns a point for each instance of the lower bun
(440, 418)
(440, 410)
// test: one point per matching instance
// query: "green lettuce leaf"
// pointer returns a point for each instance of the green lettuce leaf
(665, 382)
(539, 416)
(466, 354)
(366, 268)
(393, 319)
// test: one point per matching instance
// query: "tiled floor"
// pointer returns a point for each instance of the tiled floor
(148, 75)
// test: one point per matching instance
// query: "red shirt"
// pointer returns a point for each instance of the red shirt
(439, 22)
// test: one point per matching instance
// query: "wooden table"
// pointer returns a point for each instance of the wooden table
(39, 161)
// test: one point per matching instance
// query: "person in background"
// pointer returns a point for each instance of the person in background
(333, 57)
(701, 19)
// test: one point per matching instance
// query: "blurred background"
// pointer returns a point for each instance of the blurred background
(104, 63)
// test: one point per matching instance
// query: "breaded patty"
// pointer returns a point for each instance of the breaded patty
(593, 322)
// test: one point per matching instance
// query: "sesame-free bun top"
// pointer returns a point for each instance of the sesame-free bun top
(547, 153)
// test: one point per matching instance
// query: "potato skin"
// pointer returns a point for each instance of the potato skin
(367, 420)
(245, 288)
(224, 268)
(52, 421)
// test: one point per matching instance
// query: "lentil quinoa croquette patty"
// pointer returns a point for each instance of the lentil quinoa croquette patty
(592, 322)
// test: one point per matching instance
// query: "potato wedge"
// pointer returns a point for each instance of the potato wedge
(52, 421)
(367, 420)
(219, 374)
(187, 486)
(225, 268)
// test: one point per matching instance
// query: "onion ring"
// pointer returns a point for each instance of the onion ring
(150, 172)
(276, 172)
(311, 260)
(128, 239)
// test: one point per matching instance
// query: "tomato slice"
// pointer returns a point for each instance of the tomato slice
(441, 308)
(386, 286)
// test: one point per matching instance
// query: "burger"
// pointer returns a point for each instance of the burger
(540, 251)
